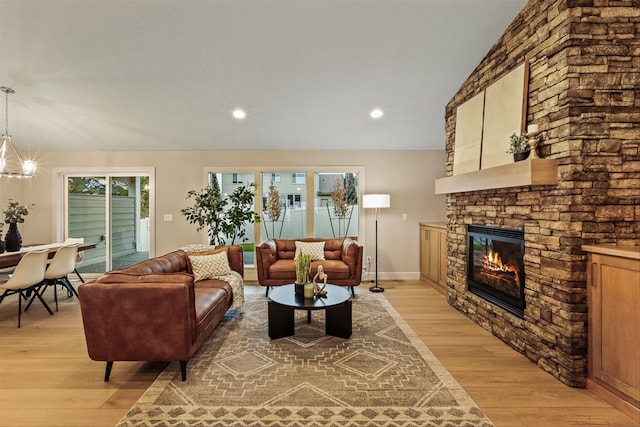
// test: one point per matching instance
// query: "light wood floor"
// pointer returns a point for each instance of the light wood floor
(47, 379)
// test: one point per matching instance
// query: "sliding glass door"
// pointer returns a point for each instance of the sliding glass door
(111, 211)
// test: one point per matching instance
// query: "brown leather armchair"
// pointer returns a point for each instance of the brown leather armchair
(343, 263)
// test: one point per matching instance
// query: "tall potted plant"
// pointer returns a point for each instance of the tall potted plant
(224, 217)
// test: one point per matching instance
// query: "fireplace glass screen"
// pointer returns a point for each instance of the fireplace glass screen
(495, 269)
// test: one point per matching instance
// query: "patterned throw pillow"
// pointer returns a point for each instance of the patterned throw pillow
(199, 250)
(315, 249)
(210, 266)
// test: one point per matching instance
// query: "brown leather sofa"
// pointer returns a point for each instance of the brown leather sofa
(343, 263)
(153, 310)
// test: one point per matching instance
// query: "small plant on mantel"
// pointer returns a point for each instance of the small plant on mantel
(518, 143)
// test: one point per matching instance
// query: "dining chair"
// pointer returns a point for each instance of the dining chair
(79, 255)
(62, 264)
(26, 278)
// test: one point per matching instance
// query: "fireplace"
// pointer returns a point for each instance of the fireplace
(495, 266)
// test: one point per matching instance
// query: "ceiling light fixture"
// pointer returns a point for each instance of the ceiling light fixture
(376, 113)
(10, 160)
(239, 114)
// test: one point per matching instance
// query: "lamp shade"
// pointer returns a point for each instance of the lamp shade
(376, 201)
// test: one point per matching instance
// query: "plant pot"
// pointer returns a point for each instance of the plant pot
(518, 157)
(13, 239)
(299, 289)
(3, 247)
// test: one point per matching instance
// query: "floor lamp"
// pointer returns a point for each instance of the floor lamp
(377, 202)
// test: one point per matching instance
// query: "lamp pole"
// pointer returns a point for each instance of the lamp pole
(376, 288)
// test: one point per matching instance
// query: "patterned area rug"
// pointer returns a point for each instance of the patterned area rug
(383, 376)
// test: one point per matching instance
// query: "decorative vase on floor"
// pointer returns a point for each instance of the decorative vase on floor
(13, 239)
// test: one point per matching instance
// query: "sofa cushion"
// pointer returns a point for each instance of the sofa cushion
(210, 266)
(285, 269)
(315, 249)
(210, 305)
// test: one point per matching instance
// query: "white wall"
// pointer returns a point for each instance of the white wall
(407, 175)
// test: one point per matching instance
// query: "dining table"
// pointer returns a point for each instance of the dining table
(11, 259)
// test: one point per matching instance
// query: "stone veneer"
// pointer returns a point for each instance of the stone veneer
(584, 92)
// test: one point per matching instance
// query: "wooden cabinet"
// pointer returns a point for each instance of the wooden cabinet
(613, 282)
(433, 253)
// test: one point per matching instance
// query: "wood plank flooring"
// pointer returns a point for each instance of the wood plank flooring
(47, 379)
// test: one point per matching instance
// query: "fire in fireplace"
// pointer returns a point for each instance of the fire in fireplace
(495, 266)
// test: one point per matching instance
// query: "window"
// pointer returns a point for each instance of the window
(284, 210)
(111, 210)
(227, 183)
(298, 178)
(297, 203)
(336, 205)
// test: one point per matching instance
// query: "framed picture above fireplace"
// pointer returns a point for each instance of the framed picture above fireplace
(495, 266)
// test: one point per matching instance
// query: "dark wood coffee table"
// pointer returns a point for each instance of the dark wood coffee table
(283, 302)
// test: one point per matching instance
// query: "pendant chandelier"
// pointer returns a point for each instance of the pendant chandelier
(11, 164)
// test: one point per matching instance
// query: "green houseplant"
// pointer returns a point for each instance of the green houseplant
(224, 217)
(519, 146)
(14, 214)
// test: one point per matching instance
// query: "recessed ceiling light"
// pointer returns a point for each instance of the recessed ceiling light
(376, 113)
(239, 114)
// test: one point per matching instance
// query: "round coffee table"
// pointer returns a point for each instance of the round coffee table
(283, 302)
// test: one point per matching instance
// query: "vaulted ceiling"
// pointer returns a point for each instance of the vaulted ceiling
(166, 75)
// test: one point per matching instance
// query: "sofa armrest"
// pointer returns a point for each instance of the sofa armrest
(236, 258)
(266, 254)
(352, 256)
(138, 321)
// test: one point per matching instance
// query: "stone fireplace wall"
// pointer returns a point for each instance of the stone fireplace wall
(584, 93)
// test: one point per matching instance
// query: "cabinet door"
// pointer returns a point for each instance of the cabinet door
(434, 255)
(614, 324)
(443, 258)
(424, 253)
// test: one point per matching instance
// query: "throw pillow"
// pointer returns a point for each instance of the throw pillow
(201, 250)
(315, 249)
(210, 266)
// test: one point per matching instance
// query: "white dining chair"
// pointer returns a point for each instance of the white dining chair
(26, 278)
(62, 264)
(79, 255)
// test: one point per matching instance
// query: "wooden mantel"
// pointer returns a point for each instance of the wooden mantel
(526, 172)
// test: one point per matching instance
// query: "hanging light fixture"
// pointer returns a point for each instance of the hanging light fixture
(11, 164)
